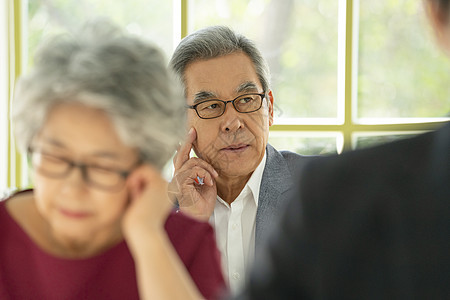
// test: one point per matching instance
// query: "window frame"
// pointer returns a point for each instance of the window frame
(16, 175)
(348, 124)
(345, 125)
(4, 90)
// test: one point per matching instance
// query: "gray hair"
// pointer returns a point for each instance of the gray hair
(102, 67)
(216, 41)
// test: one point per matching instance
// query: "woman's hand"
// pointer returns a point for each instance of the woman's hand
(149, 205)
(158, 265)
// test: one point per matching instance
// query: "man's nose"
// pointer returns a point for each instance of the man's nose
(231, 119)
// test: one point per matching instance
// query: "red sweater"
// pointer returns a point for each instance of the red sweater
(27, 272)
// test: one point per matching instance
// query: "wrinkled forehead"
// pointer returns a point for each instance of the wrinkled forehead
(221, 77)
(244, 88)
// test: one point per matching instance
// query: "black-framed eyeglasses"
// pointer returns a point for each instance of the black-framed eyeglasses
(53, 166)
(214, 108)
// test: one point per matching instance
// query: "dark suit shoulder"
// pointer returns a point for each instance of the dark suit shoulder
(368, 224)
(401, 176)
(378, 211)
(405, 160)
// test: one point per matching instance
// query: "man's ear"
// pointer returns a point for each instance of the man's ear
(270, 106)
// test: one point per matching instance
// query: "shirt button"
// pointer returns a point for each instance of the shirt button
(235, 226)
(236, 275)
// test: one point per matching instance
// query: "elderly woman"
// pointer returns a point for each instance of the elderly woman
(99, 116)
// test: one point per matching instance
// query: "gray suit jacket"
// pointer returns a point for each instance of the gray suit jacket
(276, 185)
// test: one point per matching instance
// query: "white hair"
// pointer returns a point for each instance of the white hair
(102, 67)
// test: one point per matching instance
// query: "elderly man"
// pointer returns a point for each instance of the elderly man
(237, 181)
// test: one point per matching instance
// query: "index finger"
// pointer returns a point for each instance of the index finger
(183, 153)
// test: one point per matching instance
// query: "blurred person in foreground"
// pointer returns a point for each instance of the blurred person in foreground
(238, 182)
(369, 224)
(99, 116)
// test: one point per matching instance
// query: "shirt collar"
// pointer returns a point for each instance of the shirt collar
(254, 183)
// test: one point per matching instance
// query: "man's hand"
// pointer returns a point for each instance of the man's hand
(194, 198)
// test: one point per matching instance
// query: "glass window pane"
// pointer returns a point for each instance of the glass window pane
(365, 140)
(299, 40)
(305, 143)
(138, 16)
(402, 73)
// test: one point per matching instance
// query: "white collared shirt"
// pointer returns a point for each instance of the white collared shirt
(235, 230)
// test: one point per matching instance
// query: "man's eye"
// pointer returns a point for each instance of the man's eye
(245, 100)
(212, 106)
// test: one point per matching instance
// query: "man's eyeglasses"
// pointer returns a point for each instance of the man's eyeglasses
(214, 108)
(53, 166)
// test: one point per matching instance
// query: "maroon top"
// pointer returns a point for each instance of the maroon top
(27, 272)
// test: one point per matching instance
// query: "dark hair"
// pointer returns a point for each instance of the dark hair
(444, 3)
(443, 7)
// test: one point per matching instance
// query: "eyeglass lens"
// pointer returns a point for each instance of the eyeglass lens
(243, 104)
(57, 167)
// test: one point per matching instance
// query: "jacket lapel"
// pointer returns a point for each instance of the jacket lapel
(276, 180)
